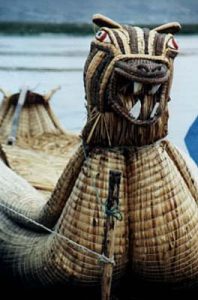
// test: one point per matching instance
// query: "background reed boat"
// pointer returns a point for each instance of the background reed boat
(32, 137)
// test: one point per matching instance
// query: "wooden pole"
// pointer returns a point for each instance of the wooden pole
(15, 122)
(112, 213)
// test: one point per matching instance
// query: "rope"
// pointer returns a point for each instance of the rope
(101, 257)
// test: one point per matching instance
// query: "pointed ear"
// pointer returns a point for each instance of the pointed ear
(49, 95)
(172, 27)
(6, 94)
(102, 21)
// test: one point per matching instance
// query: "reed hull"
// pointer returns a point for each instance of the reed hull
(156, 237)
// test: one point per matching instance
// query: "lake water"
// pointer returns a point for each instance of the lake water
(45, 61)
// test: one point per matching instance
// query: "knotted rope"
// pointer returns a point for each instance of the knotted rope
(101, 257)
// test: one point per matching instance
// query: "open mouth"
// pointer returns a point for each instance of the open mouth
(138, 93)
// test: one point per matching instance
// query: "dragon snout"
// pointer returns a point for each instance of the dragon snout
(143, 70)
(150, 69)
(139, 87)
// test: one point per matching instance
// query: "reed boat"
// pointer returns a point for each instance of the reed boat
(127, 199)
(32, 137)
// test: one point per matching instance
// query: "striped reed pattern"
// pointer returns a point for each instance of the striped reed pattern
(126, 44)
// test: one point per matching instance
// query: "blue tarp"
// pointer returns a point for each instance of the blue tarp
(191, 140)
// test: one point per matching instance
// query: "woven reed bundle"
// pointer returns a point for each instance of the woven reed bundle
(158, 193)
(28, 202)
(40, 170)
(85, 211)
(163, 216)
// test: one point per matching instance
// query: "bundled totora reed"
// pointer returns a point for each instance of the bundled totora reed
(127, 77)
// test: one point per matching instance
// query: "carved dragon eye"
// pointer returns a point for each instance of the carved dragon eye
(103, 36)
(172, 44)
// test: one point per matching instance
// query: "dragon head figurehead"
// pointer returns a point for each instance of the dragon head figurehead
(127, 77)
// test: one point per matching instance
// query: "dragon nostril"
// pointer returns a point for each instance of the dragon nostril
(157, 69)
(143, 68)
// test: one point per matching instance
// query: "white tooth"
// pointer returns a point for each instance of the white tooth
(135, 111)
(154, 110)
(137, 87)
(154, 89)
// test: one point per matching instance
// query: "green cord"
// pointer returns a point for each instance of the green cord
(114, 212)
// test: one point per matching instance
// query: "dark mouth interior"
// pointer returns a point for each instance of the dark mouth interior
(139, 101)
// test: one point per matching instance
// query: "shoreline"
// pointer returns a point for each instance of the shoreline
(79, 29)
